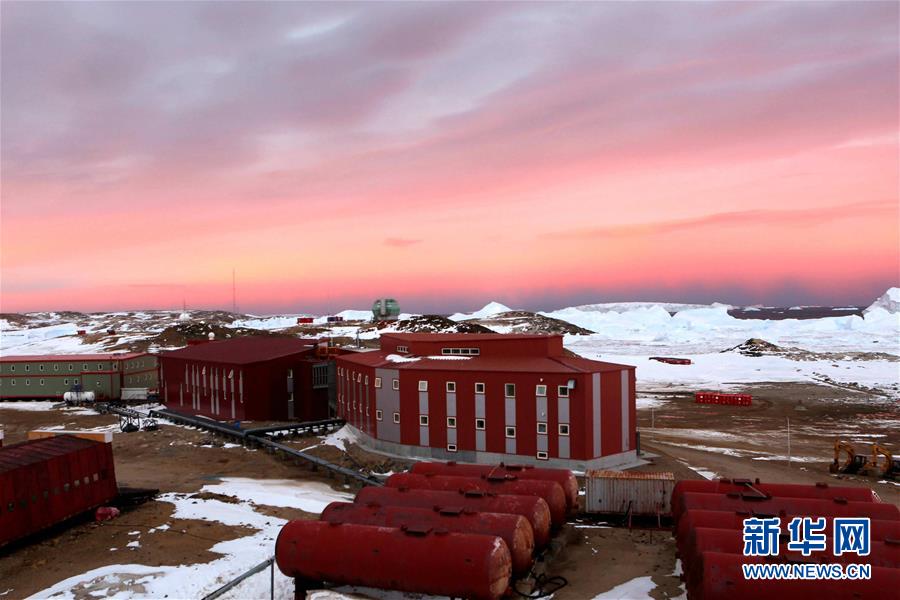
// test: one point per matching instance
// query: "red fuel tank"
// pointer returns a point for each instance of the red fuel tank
(420, 561)
(822, 491)
(563, 477)
(512, 529)
(550, 491)
(531, 507)
(731, 541)
(808, 507)
(880, 529)
(722, 578)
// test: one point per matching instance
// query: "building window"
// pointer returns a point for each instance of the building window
(70, 366)
(366, 382)
(402, 348)
(479, 424)
(451, 447)
(379, 415)
(510, 432)
(359, 378)
(423, 386)
(542, 456)
(451, 422)
(75, 381)
(84, 367)
(100, 367)
(98, 383)
(563, 429)
(395, 384)
(56, 367)
(563, 391)
(27, 367)
(27, 382)
(40, 367)
(13, 381)
(340, 371)
(42, 382)
(423, 420)
(320, 375)
(542, 427)
(12, 367)
(540, 390)
(378, 382)
(461, 351)
(290, 373)
(451, 386)
(65, 382)
(479, 388)
(510, 390)
(396, 417)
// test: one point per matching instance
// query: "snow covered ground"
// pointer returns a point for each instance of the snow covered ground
(194, 581)
(628, 332)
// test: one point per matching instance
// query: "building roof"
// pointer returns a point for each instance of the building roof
(464, 337)
(243, 350)
(72, 357)
(34, 451)
(530, 364)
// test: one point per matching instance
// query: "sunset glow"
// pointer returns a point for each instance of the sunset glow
(447, 154)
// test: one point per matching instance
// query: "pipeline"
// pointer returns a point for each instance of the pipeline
(257, 437)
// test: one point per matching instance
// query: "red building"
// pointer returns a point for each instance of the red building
(258, 378)
(487, 398)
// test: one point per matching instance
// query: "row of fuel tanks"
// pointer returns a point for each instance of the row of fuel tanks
(708, 518)
(449, 529)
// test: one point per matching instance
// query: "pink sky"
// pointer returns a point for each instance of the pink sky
(447, 155)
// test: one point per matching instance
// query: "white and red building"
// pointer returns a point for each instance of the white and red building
(489, 398)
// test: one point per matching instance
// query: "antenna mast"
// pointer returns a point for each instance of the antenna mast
(233, 292)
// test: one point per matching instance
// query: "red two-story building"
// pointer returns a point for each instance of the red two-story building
(489, 398)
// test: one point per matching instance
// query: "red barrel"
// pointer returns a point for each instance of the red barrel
(808, 507)
(718, 519)
(722, 577)
(563, 477)
(512, 529)
(550, 491)
(731, 541)
(822, 491)
(531, 507)
(422, 561)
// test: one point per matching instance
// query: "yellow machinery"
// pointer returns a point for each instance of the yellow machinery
(884, 463)
(854, 462)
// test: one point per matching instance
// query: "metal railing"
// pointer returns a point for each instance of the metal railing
(266, 564)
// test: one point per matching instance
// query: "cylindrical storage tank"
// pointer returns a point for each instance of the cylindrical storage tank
(550, 491)
(721, 576)
(796, 506)
(531, 507)
(731, 541)
(78, 396)
(879, 529)
(822, 491)
(515, 530)
(420, 561)
(563, 477)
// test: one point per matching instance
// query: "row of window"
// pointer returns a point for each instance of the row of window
(509, 389)
(66, 487)
(41, 382)
(461, 351)
(71, 367)
(480, 424)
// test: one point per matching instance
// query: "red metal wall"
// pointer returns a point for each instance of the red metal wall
(265, 389)
(68, 479)
(581, 417)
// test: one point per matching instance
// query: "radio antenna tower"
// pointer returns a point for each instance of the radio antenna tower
(233, 292)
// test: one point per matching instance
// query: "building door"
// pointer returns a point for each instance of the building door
(290, 390)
